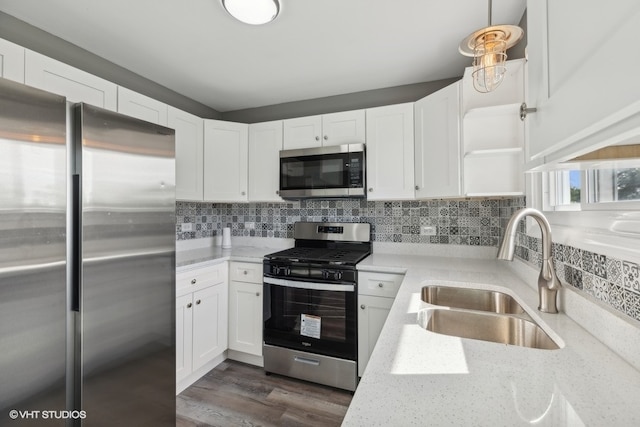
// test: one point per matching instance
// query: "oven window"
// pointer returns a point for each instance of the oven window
(314, 172)
(312, 320)
(327, 306)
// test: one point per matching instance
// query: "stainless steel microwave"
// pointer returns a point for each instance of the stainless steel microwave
(323, 172)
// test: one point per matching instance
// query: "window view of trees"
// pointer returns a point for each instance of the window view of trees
(628, 184)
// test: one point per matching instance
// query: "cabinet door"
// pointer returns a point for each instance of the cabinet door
(62, 79)
(265, 143)
(189, 154)
(372, 314)
(11, 61)
(581, 81)
(184, 336)
(245, 317)
(209, 324)
(226, 150)
(437, 143)
(141, 107)
(347, 127)
(390, 160)
(303, 132)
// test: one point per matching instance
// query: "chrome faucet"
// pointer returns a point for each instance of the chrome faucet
(548, 283)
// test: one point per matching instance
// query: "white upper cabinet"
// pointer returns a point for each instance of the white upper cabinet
(11, 61)
(141, 107)
(493, 135)
(226, 149)
(346, 127)
(390, 159)
(437, 144)
(303, 132)
(265, 143)
(62, 79)
(582, 63)
(189, 154)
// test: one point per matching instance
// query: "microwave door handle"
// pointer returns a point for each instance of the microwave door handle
(315, 286)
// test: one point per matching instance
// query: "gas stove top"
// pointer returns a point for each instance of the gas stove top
(333, 256)
(324, 243)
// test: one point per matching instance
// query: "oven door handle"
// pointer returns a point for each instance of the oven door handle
(315, 286)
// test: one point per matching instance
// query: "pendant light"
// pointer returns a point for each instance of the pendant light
(254, 12)
(488, 47)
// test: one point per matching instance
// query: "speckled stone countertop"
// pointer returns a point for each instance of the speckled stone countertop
(201, 257)
(419, 378)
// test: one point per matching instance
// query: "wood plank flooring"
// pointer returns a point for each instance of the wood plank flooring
(237, 394)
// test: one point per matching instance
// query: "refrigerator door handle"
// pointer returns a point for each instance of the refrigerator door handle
(75, 238)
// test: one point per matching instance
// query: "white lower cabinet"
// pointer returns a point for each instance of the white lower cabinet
(376, 292)
(201, 322)
(245, 312)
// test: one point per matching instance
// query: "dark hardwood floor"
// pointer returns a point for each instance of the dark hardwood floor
(237, 394)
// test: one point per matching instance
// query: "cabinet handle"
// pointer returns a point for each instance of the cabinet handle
(277, 191)
(243, 193)
(417, 188)
(326, 137)
(362, 306)
(198, 302)
(370, 190)
(193, 281)
(257, 294)
(189, 305)
(317, 138)
(380, 285)
(245, 272)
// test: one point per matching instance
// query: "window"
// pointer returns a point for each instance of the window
(593, 189)
(615, 185)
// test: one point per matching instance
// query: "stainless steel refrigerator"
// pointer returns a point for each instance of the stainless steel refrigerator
(87, 264)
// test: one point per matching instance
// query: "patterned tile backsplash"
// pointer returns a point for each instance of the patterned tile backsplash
(613, 281)
(462, 222)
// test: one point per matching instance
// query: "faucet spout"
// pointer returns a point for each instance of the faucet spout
(548, 283)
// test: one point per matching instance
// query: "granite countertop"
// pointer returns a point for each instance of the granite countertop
(416, 377)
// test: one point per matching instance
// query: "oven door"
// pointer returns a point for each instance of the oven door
(336, 171)
(314, 317)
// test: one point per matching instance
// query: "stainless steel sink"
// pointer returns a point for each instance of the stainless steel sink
(471, 299)
(499, 328)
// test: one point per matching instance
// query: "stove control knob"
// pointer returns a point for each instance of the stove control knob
(337, 275)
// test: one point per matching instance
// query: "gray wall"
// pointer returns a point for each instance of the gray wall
(331, 104)
(33, 38)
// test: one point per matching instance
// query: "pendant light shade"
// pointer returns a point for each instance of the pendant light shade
(488, 47)
(254, 12)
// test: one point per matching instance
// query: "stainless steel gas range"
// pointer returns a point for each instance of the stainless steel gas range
(310, 304)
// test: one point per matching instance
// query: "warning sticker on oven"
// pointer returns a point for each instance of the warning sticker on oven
(310, 326)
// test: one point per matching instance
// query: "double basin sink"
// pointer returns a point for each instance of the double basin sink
(482, 315)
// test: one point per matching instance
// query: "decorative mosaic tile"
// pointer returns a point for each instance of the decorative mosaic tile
(588, 263)
(600, 289)
(587, 283)
(631, 273)
(616, 296)
(632, 304)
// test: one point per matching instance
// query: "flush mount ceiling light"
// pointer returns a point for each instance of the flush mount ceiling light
(488, 47)
(254, 12)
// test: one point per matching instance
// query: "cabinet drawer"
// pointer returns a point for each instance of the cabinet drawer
(193, 280)
(379, 284)
(246, 272)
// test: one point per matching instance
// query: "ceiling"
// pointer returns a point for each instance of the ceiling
(315, 48)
